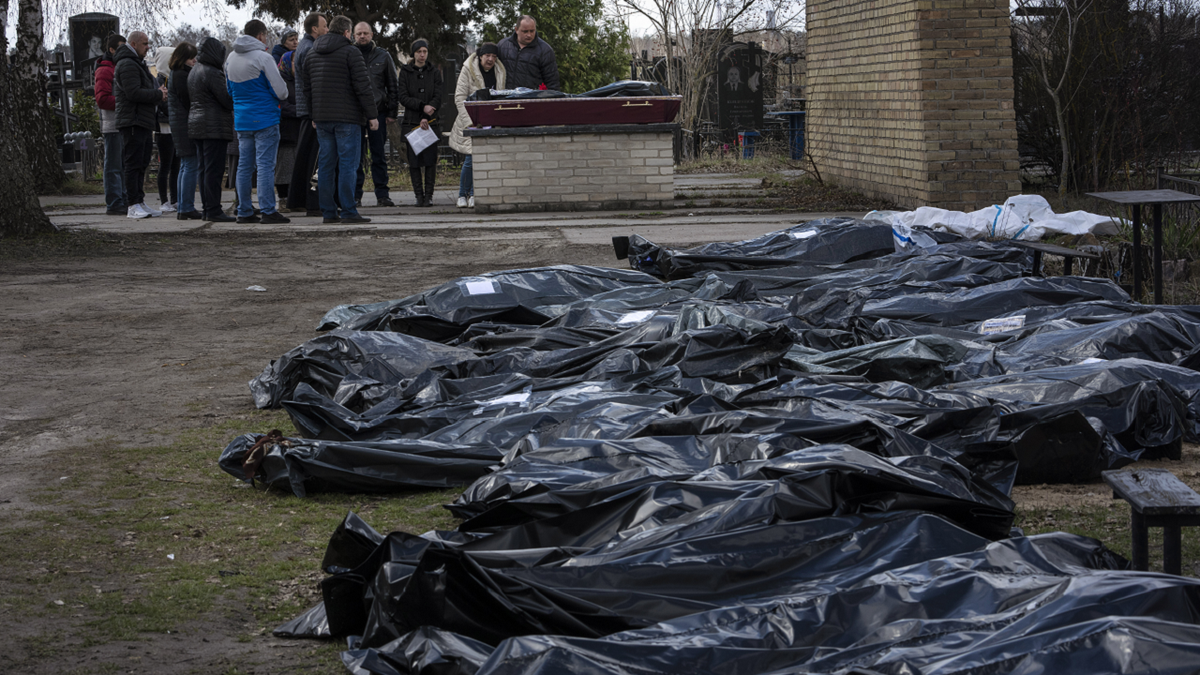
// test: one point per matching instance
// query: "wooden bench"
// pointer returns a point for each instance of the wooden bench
(1068, 254)
(1156, 499)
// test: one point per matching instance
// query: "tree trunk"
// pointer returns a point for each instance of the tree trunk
(20, 212)
(28, 91)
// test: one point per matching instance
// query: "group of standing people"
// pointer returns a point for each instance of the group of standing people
(319, 104)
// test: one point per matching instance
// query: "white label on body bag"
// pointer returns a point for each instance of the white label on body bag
(992, 326)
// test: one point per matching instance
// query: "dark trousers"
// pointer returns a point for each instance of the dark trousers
(425, 191)
(374, 141)
(138, 147)
(168, 169)
(211, 152)
(307, 150)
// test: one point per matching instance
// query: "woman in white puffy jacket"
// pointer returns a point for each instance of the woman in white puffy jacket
(483, 70)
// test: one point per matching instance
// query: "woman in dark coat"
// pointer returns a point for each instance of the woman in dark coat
(210, 124)
(289, 129)
(421, 96)
(178, 103)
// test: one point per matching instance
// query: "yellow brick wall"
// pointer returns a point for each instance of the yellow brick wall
(912, 99)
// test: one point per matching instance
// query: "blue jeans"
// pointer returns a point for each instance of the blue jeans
(338, 160)
(257, 148)
(466, 179)
(114, 186)
(189, 172)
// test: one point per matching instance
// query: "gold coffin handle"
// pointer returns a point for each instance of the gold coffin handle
(515, 107)
(638, 105)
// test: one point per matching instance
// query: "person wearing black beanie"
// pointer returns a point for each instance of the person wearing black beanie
(421, 96)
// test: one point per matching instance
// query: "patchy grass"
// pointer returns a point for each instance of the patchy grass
(139, 540)
(1109, 524)
(762, 165)
(808, 194)
(74, 185)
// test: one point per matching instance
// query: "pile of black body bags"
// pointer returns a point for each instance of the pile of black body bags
(791, 454)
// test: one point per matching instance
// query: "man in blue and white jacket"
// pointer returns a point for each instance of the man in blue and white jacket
(257, 88)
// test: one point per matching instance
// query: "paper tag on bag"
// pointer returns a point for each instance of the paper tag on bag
(484, 287)
(992, 326)
(803, 234)
(635, 317)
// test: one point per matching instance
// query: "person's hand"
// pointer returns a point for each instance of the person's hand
(374, 125)
(163, 89)
(391, 120)
(429, 110)
(314, 124)
(425, 125)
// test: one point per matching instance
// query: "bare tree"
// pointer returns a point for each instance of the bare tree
(28, 89)
(1050, 35)
(20, 212)
(692, 33)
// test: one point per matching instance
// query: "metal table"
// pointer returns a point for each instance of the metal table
(1155, 198)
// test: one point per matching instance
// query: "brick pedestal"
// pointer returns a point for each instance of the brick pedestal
(913, 100)
(573, 168)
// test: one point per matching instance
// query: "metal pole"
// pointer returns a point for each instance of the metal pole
(1158, 274)
(1137, 252)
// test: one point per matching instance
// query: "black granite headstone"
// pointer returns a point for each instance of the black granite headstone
(739, 88)
(88, 33)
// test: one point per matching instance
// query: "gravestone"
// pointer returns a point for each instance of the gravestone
(88, 33)
(739, 88)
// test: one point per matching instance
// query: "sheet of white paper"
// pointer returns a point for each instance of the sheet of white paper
(636, 317)
(485, 287)
(803, 234)
(420, 139)
(1001, 325)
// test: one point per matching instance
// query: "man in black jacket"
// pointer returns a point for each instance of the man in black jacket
(335, 83)
(382, 71)
(138, 96)
(528, 60)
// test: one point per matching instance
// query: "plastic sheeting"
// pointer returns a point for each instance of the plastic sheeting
(787, 454)
(1024, 217)
(639, 88)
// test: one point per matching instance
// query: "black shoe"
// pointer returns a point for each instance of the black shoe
(420, 201)
(189, 215)
(314, 214)
(384, 201)
(275, 218)
(356, 219)
(358, 204)
(428, 201)
(331, 221)
(219, 217)
(246, 220)
(122, 211)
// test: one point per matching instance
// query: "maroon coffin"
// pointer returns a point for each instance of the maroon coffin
(538, 112)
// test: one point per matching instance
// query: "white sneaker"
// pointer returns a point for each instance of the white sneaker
(462, 203)
(471, 201)
(137, 211)
(149, 211)
(169, 207)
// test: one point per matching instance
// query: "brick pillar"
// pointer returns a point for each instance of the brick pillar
(913, 100)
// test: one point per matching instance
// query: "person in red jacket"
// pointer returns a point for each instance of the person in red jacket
(106, 103)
